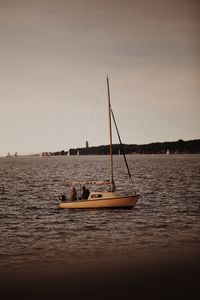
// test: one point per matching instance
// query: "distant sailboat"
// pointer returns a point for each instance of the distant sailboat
(167, 152)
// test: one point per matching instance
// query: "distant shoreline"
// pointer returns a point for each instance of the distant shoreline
(176, 147)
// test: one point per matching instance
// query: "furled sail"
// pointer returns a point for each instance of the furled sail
(73, 182)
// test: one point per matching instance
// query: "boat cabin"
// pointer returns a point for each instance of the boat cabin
(103, 195)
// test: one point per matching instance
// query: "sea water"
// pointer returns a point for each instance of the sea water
(36, 234)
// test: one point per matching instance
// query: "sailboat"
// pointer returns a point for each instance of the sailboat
(110, 198)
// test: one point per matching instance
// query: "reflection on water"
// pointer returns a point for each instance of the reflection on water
(35, 233)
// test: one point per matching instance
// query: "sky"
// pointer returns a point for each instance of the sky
(54, 59)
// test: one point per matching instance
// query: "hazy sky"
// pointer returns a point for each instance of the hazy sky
(54, 58)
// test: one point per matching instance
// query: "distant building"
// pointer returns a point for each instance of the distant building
(87, 144)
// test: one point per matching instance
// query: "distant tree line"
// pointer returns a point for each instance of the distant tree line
(177, 147)
(62, 152)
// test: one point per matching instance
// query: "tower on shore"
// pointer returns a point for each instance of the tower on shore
(87, 144)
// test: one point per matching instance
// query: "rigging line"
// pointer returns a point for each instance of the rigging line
(91, 114)
(122, 147)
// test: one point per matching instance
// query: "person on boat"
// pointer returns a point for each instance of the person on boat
(85, 193)
(112, 187)
(73, 194)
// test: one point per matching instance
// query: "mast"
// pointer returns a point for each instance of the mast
(110, 131)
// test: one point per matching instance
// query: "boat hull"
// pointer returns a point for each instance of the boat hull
(119, 202)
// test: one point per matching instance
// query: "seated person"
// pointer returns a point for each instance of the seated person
(85, 193)
(73, 194)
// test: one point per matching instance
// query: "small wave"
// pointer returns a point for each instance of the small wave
(33, 208)
(161, 226)
(91, 228)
